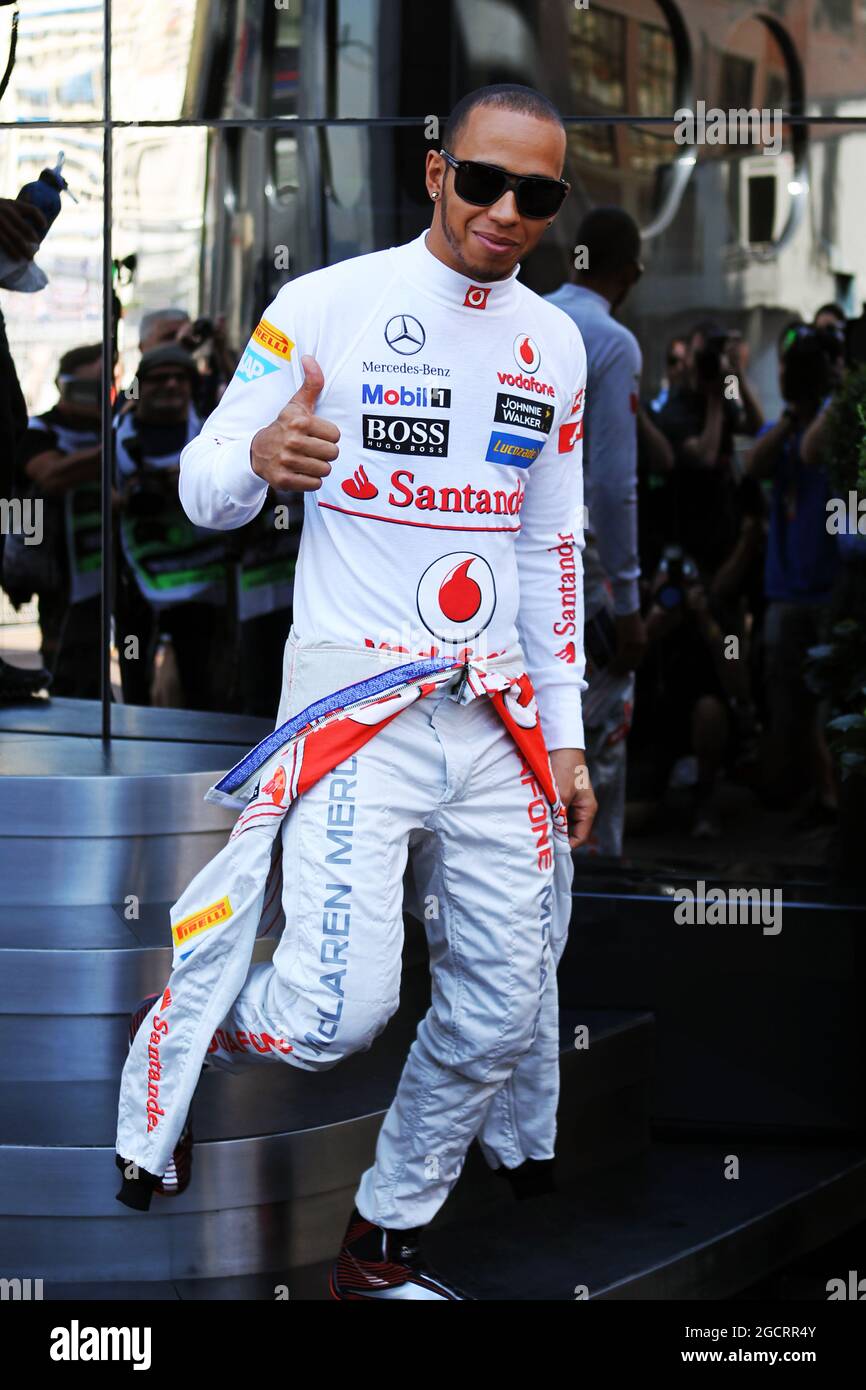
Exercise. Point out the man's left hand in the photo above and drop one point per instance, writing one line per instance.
(575, 789)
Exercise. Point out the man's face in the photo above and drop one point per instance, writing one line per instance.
(164, 395)
(486, 243)
(83, 401)
(676, 363)
(829, 320)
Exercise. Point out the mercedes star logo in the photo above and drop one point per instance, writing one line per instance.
(404, 334)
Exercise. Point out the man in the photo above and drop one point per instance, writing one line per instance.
(614, 629)
(801, 570)
(173, 574)
(675, 370)
(21, 228)
(60, 458)
(429, 406)
(700, 418)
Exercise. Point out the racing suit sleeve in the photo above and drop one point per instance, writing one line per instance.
(613, 442)
(549, 553)
(218, 487)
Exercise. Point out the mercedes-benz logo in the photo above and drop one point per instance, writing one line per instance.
(404, 334)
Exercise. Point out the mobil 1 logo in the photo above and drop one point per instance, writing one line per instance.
(520, 410)
(405, 434)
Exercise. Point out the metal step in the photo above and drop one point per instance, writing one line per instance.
(256, 1202)
(662, 1226)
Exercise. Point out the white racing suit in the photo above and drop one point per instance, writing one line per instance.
(449, 528)
(453, 758)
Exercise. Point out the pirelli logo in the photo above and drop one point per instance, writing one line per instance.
(200, 922)
(267, 336)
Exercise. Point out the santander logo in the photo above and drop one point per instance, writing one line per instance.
(359, 486)
(276, 787)
(526, 353)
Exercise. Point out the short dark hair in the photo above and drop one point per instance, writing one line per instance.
(835, 309)
(508, 96)
(611, 237)
(79, 357)
(707, 328)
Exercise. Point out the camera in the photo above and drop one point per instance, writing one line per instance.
(199, 333)
(677, 571)
(811, 360)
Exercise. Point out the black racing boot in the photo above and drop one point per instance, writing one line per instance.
(375, 1262)
(531, 1178)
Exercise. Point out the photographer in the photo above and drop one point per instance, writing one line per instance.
(205, 341)
(801, 562)
(172, 574)
(60, 465)
(688, 689)
(700, 418)
(21, 227)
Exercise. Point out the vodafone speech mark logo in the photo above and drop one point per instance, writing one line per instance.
(526, 353)
(456, 596)
(476, 298)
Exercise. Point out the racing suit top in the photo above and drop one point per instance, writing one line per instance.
(451, 523)
(613, 374)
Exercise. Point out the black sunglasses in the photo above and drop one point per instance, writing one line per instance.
(484, 184)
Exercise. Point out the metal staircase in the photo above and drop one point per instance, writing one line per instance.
(93, 848)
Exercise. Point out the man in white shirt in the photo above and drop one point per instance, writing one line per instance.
(429, 406)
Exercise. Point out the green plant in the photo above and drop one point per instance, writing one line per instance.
(836, 670)
(846, 434)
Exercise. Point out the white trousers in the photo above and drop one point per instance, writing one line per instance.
(445, 781)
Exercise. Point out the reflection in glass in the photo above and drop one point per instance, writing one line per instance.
(151, 43)
(58, 61)
(52, 307)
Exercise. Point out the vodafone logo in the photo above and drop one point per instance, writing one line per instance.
(476, 298)
(526, 353)
(456, 596)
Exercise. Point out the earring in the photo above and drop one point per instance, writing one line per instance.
(434, 195)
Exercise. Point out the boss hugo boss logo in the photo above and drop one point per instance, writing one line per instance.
(405, 334)
(518, 410)
(437, 397)
(405, 434)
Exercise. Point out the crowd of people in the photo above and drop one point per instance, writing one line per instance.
(709, 570)
(199, 617)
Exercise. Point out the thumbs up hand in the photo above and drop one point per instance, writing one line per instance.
(295, 452)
